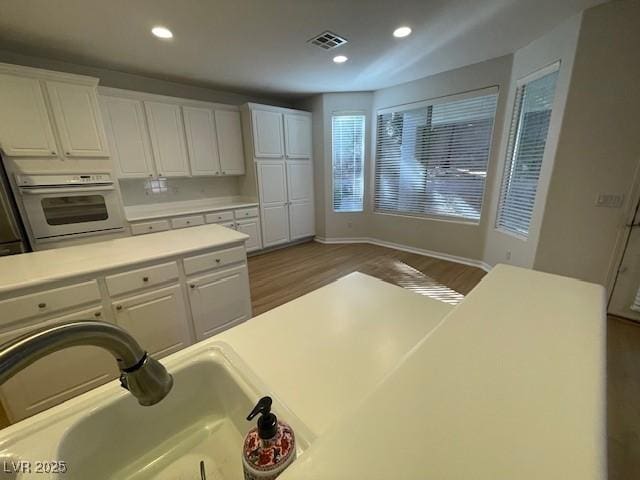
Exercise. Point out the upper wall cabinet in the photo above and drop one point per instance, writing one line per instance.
(128, 136)
(229, 131)
(77, 116)
(267, 134)
(297, 135)
(25, 129)
(167, 139)
(199, 125)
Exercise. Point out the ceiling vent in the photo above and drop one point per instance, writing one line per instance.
(328, 40)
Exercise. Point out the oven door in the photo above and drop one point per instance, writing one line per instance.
(63, 211)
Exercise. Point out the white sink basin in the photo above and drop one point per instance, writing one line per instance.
(202, 419)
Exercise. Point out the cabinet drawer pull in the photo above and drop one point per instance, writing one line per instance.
(119, 307)
(192, 285)
(150, 227)
(42, 305)
(217, 260)
(145, 279)
(97, 314)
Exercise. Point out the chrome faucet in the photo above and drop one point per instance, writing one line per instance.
(142, 375)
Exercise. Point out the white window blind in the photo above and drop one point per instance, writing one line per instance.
(525, 152)
(347, 132)
(431, 159)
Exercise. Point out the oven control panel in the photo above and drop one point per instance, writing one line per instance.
(62, 180)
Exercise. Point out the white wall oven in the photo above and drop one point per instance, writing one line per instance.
(58, 207)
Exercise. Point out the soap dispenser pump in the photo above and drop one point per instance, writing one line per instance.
(270, 447)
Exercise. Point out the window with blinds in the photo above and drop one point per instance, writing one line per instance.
(525, 151)
(347, 133)
(431, 158)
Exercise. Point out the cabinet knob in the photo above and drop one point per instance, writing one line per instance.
(150, 227)
(192, 285)
(224, 173)
(188, 222)
(53, 152)
(119, 307)
(217, 260)
(145, 279)
(42, 305)
(97, 314)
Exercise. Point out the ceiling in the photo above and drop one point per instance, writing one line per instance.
(261, 45)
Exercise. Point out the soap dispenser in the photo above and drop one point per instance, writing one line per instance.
(270, 447)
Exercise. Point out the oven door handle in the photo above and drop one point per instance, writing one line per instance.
(43, 191)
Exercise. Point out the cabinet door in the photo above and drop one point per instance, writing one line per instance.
(157, 320)
(267, 134)
(219, 301)
(302, 220)
(60, 375)
(128, 136)
(299, 181)
(25, 128)
(77, 115)
(275, 225)
(297, 135)
(167, 139)
(229, 131)
(251, 228)
(272, 188)
(200, 128)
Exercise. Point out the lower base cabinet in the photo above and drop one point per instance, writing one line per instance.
(58, 376)
(218, 300)
(251, 228)
(158, 320)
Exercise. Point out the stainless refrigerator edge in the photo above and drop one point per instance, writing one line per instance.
(13, 238)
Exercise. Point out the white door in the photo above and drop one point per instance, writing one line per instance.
(77, 115)
(167, 139)
(128, 137)
(157, 320)
(25, 128)
(272, 187)
(219, 301)
(267, 134)
(60, 375)
(229, 129)
(301, 204)
(297, 135)
(200, 128)
(252, 228)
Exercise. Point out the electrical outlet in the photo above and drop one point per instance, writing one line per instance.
(610, 200)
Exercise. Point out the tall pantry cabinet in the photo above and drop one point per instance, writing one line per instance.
(279, 145)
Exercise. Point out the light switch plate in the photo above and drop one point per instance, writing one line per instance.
(610, 200)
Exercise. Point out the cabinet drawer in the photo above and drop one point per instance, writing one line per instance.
(190, 221)
(149, 227)
(208, 261)
(217, 217)
(48, 301)
(246, 213)
(141, 278)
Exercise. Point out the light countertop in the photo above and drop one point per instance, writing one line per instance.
(510, 384)
(31, 269)
(135, 213)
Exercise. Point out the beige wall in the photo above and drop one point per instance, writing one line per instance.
(599, 147)
(557, 45)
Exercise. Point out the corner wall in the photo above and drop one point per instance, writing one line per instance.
(598, 150)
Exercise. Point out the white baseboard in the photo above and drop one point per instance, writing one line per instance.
(406, 248)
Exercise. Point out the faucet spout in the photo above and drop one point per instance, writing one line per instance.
(142, 375)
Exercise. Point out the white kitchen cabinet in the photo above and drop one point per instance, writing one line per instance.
(200, 129)
(250, 227)
(229, 132)
(267, 134)
(60, 375)
(272, 187)
(300, 195)
(167, 139)
(157, 320)
(78, 120)
(217, 300)
(301, 220)
(128, 137)
(25, 127)
(297, 135)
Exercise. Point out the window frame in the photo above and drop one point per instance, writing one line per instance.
(508, 159)
(484, 91)
(350, 113)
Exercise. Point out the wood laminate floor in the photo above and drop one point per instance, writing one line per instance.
(282, 275)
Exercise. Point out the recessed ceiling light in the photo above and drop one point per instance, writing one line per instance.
(402, 32)
(162, 32)
(340, 59)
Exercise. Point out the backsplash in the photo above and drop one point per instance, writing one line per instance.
(134, 191)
